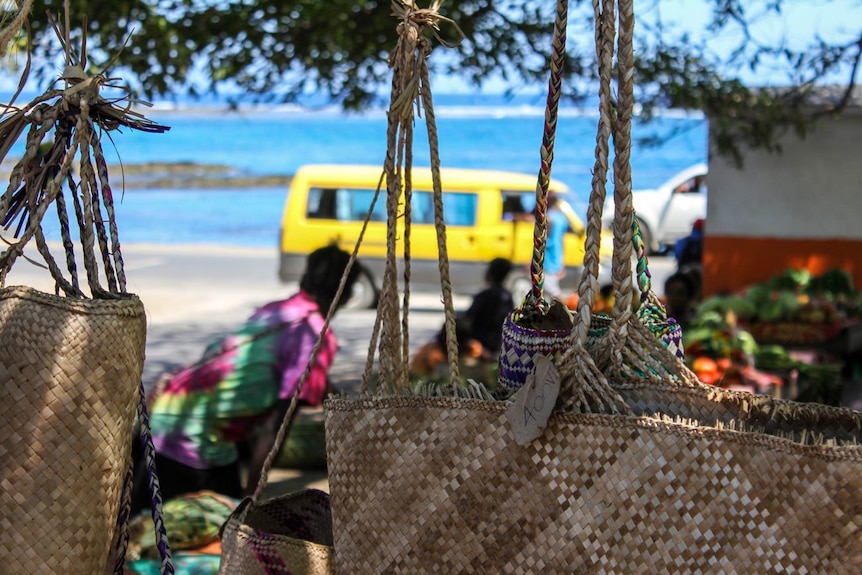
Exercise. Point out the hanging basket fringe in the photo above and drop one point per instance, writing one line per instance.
(64, 125)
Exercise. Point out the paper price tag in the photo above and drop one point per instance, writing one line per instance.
(529, 412)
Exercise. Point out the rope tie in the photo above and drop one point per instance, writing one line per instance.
(411, 93)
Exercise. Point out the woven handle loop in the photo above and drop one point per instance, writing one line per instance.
(625, 332)
(410, 82)
(614, 121)
(589, 286)
(535, 298)
(621, 264)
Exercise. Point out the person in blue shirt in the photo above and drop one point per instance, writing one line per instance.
(688, 251)
(555, 268)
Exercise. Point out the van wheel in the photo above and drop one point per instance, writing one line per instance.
(365, 293)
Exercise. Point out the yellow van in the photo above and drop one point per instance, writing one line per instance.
(488, 214)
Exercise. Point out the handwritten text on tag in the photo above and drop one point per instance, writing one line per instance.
(529, 412)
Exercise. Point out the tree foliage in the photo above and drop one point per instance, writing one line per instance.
(276, 50)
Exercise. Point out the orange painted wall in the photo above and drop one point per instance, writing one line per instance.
(731, 263)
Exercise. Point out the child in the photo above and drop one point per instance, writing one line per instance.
(679, 298)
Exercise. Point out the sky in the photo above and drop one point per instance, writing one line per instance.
(799, 23)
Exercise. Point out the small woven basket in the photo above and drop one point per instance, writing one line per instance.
(521, 345)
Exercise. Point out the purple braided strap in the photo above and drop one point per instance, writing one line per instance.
(164, 546)
(123, 522)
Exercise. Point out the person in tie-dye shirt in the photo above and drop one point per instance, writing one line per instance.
(241, 388)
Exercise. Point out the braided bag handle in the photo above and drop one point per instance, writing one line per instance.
(628, 341)
(584, 387)
(410, 79)
(538, 326)
(620, 346)
(535, 298)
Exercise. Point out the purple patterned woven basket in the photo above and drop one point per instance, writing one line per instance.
(522, 344)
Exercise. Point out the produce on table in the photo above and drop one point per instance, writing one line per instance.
(734, 338)
(721, 353)
(816, 382)
(794, 307)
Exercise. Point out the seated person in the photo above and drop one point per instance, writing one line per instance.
(605, 300)
(485, 317)
(241, 388)
(680, 298)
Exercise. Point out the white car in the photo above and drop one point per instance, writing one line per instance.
(668, 212)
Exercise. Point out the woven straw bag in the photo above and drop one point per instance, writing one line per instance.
(285, 535)
(639, 467)
(70, 364)
(70, 376)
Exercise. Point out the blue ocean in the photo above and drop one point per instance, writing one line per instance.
(489, 132)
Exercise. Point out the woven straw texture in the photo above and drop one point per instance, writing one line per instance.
(290, 535)
(70, 371)
(437, 485)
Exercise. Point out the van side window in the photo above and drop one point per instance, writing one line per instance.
(321, 204)
(515, 206)
(458, 209)
(344, 204)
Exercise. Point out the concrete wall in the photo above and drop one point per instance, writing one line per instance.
(812, 190)
(800, 208)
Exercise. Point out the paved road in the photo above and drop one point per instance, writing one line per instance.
(177, 341)
(193, 295)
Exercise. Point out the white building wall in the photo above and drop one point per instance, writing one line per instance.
(813, 189)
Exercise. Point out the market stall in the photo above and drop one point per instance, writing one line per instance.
(796, 336)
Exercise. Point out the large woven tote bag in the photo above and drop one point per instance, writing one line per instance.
(70, 362)
(432, 479)
(639, 468)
